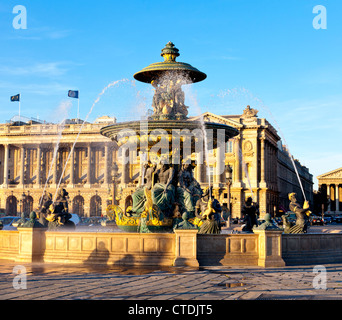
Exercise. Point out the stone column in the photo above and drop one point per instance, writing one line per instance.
(125, 166)
(6, 165)
(329, 195)
(337, 198)
(262, 164)
(237, 180)
(106, 170)
(72, 166)
(22, 165)
(39, 162)
(89, 180)
(54, 181)
(220, 161)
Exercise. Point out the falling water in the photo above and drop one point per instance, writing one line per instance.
(284, 140)
(206, 151)
(143, 159)
(112, 84)
(194, 102)
(62, 109)
(247, 94)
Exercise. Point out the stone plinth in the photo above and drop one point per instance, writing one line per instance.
(269, 248)
(186, 248)
(227, 249)
(31, 245)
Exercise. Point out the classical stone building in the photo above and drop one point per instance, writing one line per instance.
(261, 165)
(330, 185)
(28, 166)
(288, 180)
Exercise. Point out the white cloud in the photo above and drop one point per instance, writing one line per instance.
(49, 69)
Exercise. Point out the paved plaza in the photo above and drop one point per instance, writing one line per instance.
(47, 281)
(65, 282)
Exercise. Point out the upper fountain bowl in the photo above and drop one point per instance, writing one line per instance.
(158, 70)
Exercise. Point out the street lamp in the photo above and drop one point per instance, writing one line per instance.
(115, 170)
(22, 203)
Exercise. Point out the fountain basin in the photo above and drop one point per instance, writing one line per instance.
(138, 131)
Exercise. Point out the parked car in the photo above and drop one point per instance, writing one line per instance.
(75, 219)
(90, 221)
(317, 220)
(8, 221)
(19, 222)
(273, 221)
(337, 219)
(279, 221)
(105, 222)
(291, 217)
(327, 219)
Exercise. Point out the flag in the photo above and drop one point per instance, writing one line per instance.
(15, 98)
(73, 94)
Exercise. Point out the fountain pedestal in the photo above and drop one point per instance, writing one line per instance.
(186, 248)
(31, 245)
(269, 248)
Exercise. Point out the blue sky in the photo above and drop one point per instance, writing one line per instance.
(258, 52)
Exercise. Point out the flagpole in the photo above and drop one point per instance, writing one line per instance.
(78, 108)
(19, 108)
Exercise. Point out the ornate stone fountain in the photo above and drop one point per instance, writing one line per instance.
(170, 190)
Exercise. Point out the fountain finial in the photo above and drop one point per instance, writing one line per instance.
(170, 52)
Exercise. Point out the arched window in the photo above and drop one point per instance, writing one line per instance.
(95, 206)
(78, 206)
(11, 206)
(28, 205)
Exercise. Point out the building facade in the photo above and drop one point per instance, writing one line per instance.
(330, 185)
(37, 158)
(262, 167)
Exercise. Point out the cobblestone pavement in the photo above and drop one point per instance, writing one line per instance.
(65, 282)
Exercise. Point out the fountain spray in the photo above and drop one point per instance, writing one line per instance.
(288, 150)
(63, 109)
(205, 134)
(112, 84)
(243, 91)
